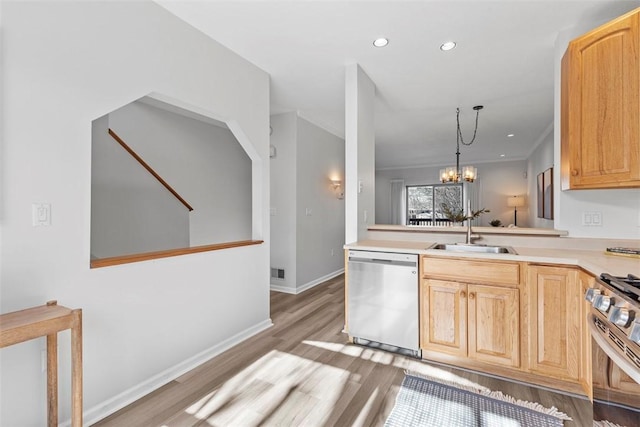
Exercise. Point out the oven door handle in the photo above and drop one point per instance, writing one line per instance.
(628, 367)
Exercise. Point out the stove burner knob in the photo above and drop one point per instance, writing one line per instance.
(591, 294)
(634, 334)
(602, 303)
(619, 316)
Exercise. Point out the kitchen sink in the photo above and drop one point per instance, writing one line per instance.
(463, 247)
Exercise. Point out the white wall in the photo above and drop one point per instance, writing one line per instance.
(204, 163)
(320, 235)
(283, 199)
(496, 181)
(308, 220)
(620, 208)
(131, 212)
(383, 194)
(66, 64)
(539, 161)
(360, 94)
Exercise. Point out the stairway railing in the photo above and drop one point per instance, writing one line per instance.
(149, 169)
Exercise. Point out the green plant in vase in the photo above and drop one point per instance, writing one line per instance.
(457, 214)
(495, 223)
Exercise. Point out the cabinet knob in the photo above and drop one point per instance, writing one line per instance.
(574, 172)
(472, 295)
(463, 294)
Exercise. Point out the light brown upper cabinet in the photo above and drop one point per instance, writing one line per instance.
(600, 107)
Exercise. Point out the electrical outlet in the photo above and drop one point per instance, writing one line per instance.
(333, 253)
(308, 211)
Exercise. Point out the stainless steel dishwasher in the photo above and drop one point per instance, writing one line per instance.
(382, 299)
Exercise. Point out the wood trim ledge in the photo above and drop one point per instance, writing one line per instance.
(146, 256)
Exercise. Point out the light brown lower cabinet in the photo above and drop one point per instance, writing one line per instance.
(480, 322)
(518, 320)
(554, 310)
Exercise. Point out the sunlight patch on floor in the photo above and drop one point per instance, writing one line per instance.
(352, 350)
(278, 389)
(399, 361)
(491, 419)
(364, 412)
(460, 413)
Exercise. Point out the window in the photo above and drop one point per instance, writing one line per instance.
(424, 203)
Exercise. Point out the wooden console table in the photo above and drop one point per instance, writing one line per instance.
(48, 320)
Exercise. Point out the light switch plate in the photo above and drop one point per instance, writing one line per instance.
(41, 214)
(592, 219)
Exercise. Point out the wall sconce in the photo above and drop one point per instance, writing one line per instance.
(336, 184)
(515, 202)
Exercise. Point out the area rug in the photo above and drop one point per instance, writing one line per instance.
(424, 401)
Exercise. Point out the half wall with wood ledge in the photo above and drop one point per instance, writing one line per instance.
(167, 181)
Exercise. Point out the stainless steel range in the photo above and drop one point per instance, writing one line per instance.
(614, 323)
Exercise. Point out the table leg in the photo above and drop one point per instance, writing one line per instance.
(52, 379)
(76, 369)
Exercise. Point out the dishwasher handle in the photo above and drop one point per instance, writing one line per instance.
(383, 262)
(383, 258)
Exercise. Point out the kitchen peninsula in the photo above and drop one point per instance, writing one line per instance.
(517, 315)
(531, 245)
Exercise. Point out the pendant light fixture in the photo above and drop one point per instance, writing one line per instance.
(468, 173)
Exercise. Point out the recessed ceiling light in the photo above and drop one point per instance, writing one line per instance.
(381, 42)
(447, 46)
(502, 155)
(510, 135)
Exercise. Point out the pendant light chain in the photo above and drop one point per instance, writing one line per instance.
(477, 108)
(469, 173)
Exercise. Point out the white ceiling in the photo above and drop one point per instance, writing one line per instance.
(504, 61)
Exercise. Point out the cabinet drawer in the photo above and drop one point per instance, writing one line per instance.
(472, 271)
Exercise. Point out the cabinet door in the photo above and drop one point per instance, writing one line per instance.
(493, 324)
(600, 108)
(444, 317)
(554, 306)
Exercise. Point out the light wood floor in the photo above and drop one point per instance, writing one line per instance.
(303, 372)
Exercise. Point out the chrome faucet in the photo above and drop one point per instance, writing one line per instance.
(469, 217)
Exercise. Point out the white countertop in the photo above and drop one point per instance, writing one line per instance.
(595, 262)
(510, 231)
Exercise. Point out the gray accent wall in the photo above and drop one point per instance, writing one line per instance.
(307, 218)
(131, 212)
(203, 162)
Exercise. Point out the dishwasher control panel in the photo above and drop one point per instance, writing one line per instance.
(371, 256)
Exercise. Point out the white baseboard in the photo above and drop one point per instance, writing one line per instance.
(129, 396)
(317, 281)
(306, 286)
(280, 288)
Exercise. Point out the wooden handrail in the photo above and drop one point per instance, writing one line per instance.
(146, 256)
(149, 169)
